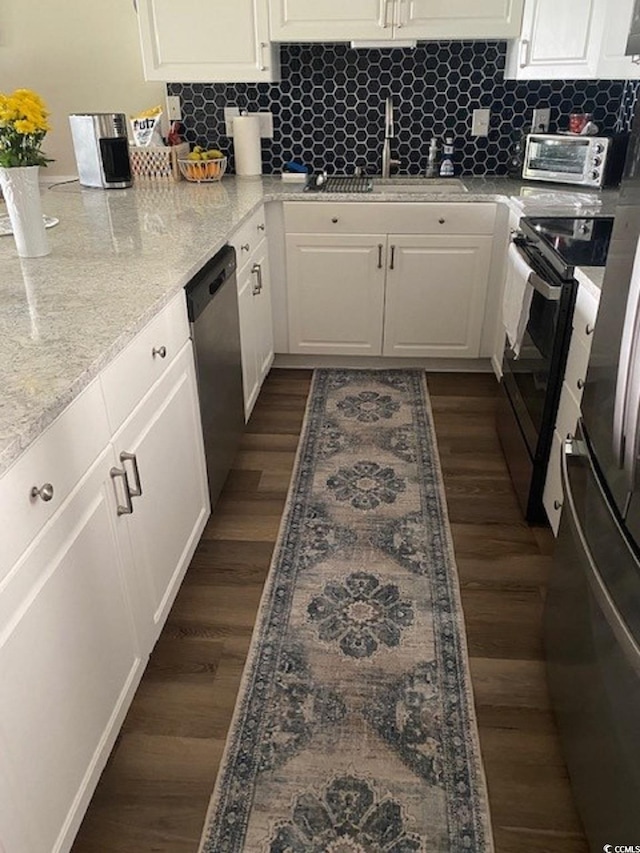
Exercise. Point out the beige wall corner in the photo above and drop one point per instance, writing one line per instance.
(80, 56)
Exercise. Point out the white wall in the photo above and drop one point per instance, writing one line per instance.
(80, 56)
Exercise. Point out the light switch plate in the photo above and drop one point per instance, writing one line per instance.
(174, 110)
(266, 122)
(480, 123)
(229, 113)
(541, 120)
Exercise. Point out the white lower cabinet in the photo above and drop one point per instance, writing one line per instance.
(254, 306)
(83, 603)
(417, 292)
(160, 447)
(336, 293)
(70, 661)
(584, 320)
(435, 295)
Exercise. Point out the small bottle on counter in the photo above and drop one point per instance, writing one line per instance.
(432, 159)
(446, 165)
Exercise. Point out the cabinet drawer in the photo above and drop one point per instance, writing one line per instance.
(249, 236)
(577, 362)
(127, 379)
(385, 217)
(584, 317)
(553, 497)
(59, 457)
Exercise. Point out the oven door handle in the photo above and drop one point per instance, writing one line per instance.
(548, 291)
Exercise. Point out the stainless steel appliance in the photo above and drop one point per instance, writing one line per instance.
(532, 379)
(592, 613)
(633, 41)
(212, 303)
(101, 147)
(589, 161)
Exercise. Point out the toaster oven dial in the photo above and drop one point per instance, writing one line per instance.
(595, 175)
(598, 148)
(597, 161)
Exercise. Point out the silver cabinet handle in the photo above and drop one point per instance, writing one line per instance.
(114, 473)
(131, 457)
(524, 53)
(380, 248)
(161, 351)
(45, 492)
(256, 270)
(580, 383)
(245, 247)
(260, 63)
(557, 505)
(261, 227)
(393, 258)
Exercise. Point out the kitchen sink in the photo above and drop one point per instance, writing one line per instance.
(418, 185)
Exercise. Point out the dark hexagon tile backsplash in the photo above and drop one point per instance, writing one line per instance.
(328, 109)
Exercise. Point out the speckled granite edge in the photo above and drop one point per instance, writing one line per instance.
(263, 192)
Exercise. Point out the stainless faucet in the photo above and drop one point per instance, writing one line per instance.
(389, 134)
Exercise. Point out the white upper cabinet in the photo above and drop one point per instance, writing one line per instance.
(331, 20)
(389, 20)
(201, 42)
(458, 19)
(572, 39)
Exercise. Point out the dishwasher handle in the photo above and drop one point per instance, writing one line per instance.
(202, 288)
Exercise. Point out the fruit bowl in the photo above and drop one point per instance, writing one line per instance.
(203, 171)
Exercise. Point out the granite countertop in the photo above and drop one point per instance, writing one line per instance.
(117, 257)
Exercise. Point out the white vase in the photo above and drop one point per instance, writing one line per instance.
(21, 192)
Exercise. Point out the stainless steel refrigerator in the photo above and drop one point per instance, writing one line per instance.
(592, 613)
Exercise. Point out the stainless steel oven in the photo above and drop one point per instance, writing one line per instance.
(533, 372)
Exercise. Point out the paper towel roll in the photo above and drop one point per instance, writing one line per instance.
(246, 145)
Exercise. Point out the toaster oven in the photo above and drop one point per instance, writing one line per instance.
(588, 161)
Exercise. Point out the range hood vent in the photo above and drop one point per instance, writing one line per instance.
(383, 45)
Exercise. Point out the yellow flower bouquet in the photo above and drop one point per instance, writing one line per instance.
(23, 126)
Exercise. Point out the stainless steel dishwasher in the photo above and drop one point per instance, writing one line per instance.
(212, 304)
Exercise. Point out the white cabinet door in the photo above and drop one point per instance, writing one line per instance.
(579, 39)
(201, 41)
(247, 294)
(165, 436)
(436, 289)
(262, 308)
(336, 293)
(69, 662)
(458, 19)
(331, 20)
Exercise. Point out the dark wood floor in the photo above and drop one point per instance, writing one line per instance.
(154, 793)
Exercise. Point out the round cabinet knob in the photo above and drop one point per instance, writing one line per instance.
(580, 383)
(261, 227)
(589, 329)
(442, 220)
(245, 247)
(335, 220)
(557, 505)
(45, 492)
(161, 351)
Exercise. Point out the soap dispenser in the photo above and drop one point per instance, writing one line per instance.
(446, 166)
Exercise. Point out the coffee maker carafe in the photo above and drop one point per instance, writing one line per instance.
(102, 149)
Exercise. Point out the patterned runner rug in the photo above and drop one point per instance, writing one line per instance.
(354, 730)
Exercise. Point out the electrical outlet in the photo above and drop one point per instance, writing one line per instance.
(480, 123)
(174, 110)
(541, 120)
(229, 114)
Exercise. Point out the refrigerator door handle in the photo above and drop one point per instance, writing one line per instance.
(626, 413)
(625, 638)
